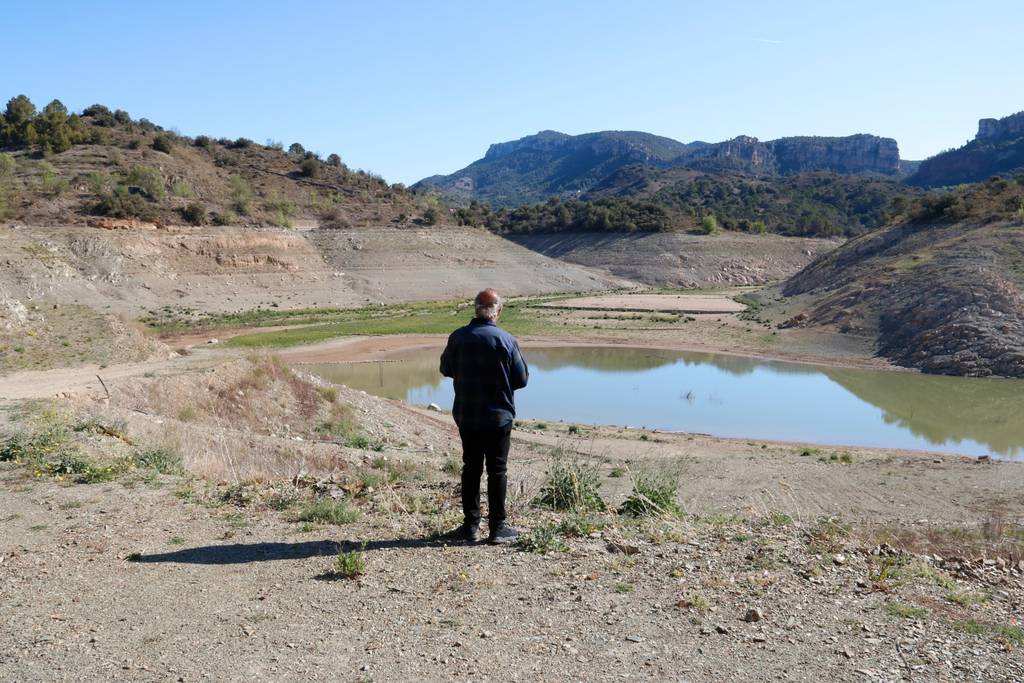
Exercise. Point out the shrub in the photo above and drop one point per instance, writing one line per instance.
(543, 539)
(296, 149)
(242, 143)
(203, 141)
(7, 165)
(310, 167)
(349, 564)
(652, 494)
(328, 512)
(122, 203)
(571, 485)
(709, 224)
(333, 160)
(431, 216)
(182, 189)
(148, 180)
(50, 183)
(224, 218)
(241, 194)
(163, 143)
(163, 460)
(194, 213)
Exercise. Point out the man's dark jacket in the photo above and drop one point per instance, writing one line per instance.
(487, 366)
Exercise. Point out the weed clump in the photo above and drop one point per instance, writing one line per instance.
(163, 460)
(543, 540)
(349, 564)
(571, 485)
(653, 494)
(328, 512)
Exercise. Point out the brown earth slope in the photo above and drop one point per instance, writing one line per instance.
(228, 268)
(665, 259)
(942, 291)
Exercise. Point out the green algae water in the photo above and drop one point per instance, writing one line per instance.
(732, 396)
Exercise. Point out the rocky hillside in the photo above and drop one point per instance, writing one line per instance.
(673, 259)
(551, 164)
(555, 164)
(997, 148)
(942, 290)
(61, 168)
(817, 203)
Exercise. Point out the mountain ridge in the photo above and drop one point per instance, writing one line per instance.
(549, 163)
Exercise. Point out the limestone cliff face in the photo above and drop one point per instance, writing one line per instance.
(994, 129)
(997, 148)
(851, 154)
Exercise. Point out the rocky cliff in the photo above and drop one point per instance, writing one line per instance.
(549, 163)
(998, 148)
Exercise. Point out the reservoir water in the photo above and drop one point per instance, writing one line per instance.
(732, 396)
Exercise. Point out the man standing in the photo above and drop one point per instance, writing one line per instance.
(487, 367)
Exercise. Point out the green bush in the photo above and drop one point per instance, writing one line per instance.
(182, 189)
(328, 512)
(163, 143)
(431, 216)
(148, 180)
(709, 224)
(571, 485)
(50, 182)
(194, 213)
(122, 203)
(225, 218)
(349, 564)
(543, 539)
(310, 167)
(241, 194)
(163, 460)
(7, 165)
(653, 494)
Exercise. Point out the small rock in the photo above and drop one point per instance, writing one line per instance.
(722, 629)
(433, 406)
(753, 614)
(839, 559)
(486, 634)
(634, 639)
(848, 653)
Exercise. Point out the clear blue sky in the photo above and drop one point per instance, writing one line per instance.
(409, 89)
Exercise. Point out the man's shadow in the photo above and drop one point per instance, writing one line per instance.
(244, 553)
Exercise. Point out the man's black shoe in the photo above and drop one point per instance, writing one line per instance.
(468, 533)
(503, 534)
(471, 533)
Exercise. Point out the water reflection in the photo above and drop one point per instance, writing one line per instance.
(733, 396)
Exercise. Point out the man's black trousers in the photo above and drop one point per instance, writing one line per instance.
(480, 446)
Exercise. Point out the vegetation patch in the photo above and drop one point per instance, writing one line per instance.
(543, 539)
(654, 493)
(571, 485)
(327, 511)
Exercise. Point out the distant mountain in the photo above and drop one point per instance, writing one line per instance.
(549, 163)
(997, 148)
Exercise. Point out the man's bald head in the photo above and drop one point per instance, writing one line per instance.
(487, 304)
